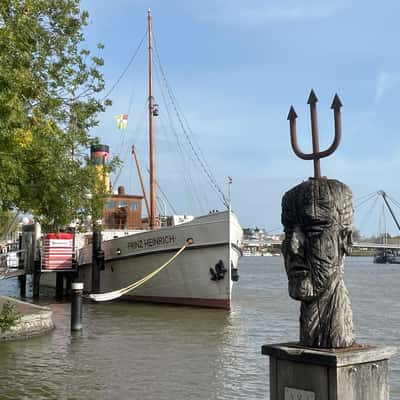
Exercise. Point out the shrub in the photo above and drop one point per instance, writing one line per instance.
(8, 316)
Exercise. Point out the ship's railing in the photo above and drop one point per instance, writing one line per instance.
(121, 227)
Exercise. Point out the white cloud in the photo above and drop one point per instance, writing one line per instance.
(385, 83)
(255, 12)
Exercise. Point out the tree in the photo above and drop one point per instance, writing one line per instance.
(49, 88)
(8, 223)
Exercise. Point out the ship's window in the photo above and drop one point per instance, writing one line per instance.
(110, 205)
(134, 206)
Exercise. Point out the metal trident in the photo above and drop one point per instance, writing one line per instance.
(316, 155)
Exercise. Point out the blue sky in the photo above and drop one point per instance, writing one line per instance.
(235, 68)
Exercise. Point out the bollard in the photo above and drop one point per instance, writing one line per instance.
(76, 306)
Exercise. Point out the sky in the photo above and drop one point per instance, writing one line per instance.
(235, 68)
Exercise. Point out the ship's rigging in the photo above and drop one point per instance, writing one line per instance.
(184, 138)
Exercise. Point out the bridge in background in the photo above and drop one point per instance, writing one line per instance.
(368, 245)
(360, 245)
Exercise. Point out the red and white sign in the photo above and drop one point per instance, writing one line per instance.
(57, 251)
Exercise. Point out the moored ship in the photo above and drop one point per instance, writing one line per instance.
(201, 275)
(174, 259)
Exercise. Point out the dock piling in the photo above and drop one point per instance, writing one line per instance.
(96, 259)
(36, 280)
(22, 286)
(59, 285)
(21, 266)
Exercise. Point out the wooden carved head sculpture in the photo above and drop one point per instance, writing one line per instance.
(317, 216)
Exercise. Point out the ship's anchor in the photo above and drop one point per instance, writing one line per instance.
(219, 272)
(316, 154)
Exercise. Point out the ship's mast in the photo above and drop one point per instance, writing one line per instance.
(151, 131)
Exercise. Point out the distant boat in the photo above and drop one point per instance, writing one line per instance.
(248, 253)
(386, 256)
(382, 256)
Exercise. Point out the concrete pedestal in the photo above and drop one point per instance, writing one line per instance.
(303, 373)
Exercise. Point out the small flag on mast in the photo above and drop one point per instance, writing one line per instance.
(122, 121)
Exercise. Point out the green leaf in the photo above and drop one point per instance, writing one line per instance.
(48, 103)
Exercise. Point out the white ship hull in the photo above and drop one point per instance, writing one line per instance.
(187, 280)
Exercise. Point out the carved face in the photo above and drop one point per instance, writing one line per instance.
(313, 255)
(317, 216)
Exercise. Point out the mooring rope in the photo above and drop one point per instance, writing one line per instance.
(120, 292)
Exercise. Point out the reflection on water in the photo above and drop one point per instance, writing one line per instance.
(136, 351)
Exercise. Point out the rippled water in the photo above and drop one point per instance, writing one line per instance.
(136, 351)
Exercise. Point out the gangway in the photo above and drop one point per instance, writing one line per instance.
(10, 265)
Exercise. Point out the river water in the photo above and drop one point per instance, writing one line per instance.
(137, 351)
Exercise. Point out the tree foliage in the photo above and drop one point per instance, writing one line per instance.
(8, 223)
(49, 100)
